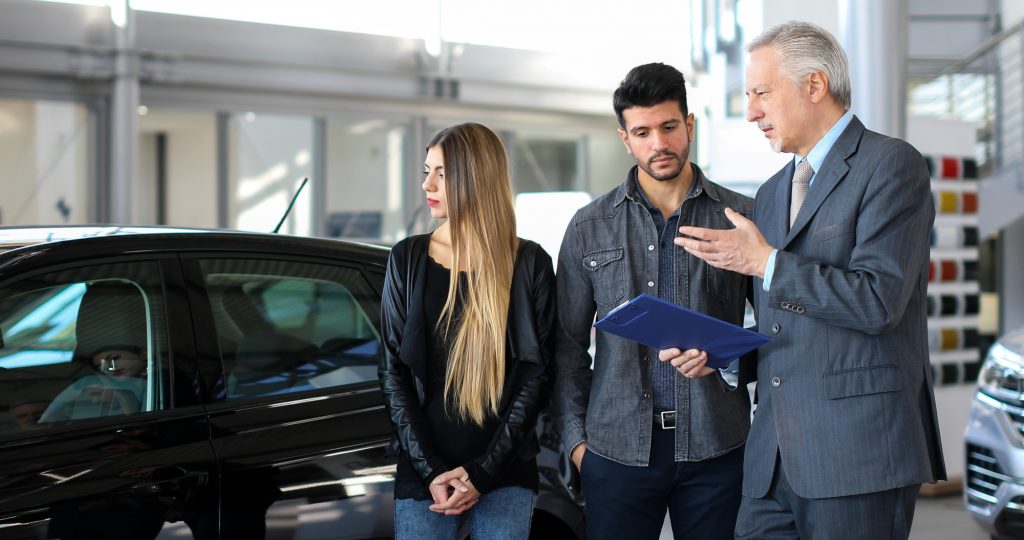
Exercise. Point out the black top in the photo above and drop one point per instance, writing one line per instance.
(457, 442)
(408, 331)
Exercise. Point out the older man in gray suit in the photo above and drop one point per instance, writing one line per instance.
(845, 430)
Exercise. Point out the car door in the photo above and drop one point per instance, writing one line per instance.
(102, 434)
(288, 347)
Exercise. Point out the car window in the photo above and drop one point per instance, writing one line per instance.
(290, 327)
(81, 344)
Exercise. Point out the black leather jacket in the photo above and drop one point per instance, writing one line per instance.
(530, 346)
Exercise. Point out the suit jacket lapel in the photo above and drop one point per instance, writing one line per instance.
(833, 170)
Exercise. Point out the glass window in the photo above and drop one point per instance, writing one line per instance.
(366, 178)
(287, 327)
(269, 154)
(176, 183)
(544, 164)
(81, 344)
(44, 163)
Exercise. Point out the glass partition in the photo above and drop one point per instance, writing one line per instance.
(44, 163)
(268, 155)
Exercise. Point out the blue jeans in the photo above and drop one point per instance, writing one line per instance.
(503, 514)
(702, 497)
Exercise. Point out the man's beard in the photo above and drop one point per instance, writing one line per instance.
(668, 175)
(776, 145)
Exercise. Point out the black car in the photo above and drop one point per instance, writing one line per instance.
(161, 383)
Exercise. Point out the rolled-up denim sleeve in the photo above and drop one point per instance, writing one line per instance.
(572, 361)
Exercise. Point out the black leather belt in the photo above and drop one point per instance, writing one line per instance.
(665, 419)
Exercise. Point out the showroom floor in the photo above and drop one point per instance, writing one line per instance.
(944, 518)
(941, 518)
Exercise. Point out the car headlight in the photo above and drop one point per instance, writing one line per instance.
(1002, 374)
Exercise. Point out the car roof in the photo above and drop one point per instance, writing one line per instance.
(21, 243)
(15, 237)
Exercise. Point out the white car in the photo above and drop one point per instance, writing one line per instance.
(994, 483)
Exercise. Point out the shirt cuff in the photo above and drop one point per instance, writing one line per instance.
(728, 375)
(769, 270)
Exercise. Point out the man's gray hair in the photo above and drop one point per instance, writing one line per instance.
(805, 48)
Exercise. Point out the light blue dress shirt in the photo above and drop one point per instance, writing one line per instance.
(816, 158)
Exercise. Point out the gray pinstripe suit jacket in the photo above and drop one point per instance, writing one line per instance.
(845, 387)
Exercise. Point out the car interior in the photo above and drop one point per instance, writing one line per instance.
(112, 325)
(54, 334)
(271, 344)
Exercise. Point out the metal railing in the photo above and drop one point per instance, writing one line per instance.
(984, 88)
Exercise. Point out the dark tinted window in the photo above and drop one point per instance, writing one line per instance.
(287, 327)
(82, 344)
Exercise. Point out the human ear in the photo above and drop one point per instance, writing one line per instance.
(625, 140)
(818, 86)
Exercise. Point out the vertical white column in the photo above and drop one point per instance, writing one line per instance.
(124, 129)
(1010, 286)
(874, 34)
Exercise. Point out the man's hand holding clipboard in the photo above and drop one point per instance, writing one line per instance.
(661, 324)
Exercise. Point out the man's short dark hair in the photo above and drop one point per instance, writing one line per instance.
(647, 86)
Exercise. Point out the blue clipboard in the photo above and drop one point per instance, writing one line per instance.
(661, 324)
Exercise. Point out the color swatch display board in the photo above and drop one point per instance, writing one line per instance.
(953, 290)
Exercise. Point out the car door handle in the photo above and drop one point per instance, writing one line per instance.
(167, 480)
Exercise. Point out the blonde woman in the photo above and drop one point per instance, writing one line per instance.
(467, 316)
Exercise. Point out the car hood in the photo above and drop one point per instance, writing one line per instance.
(1014, 341)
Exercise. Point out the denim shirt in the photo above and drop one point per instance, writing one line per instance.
(663, 375)
(609, 255)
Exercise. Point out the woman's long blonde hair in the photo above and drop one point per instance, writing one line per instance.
(482, 223)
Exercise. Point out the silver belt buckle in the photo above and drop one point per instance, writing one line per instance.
(668, 419)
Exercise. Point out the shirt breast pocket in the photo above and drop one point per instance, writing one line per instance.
(608, 274)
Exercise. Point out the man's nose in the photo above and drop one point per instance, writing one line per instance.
(754, 112)
(658, 141)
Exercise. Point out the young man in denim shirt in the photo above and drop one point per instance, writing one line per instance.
(649, 435)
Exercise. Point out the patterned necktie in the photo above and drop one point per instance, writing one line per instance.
(800, 177)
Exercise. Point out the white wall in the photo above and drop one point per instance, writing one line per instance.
(823, 13)
(608, 160)
(43, 160)
(1012, 285)
(740, 153)
(17, 174)
(191, 165)
(60, 134)
(364, 171)
(144, 187)
(1012, 12)
(953, 404)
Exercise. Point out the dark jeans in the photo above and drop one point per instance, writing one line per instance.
(702, 498)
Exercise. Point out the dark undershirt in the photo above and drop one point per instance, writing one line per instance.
(455, 441)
